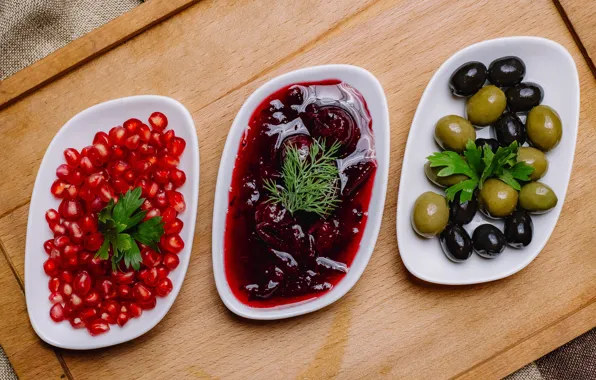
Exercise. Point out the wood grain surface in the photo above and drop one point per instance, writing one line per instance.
(581, 15)
(90, 46)
(211, 57)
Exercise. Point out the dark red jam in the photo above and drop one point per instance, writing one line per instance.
(273, 257)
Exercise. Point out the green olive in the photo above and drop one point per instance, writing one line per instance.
(452, 132)
(497, 199)
(536, 159)
(544, 128)
(537, 198)
(430, 214)
(450, 180)
(486, 106)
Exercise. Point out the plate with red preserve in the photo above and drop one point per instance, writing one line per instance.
(111, 222)
(300, 192)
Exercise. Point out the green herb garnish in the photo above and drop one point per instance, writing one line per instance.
(122, 227)
(309, 180)
(479, 165)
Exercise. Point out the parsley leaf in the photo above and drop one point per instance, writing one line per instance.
(126, 212)
(474, 156)
(452, 162)
(466, 187)
(149, 232)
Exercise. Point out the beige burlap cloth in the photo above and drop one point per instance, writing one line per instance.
(32, 29)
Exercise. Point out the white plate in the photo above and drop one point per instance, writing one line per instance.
(78, 132)
(548, 64)
(371, 90)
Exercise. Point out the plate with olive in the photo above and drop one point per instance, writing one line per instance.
(488, 161)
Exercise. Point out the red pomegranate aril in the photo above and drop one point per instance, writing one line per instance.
(122, 319)
(101, 138)
(135, 310)
(54, 284)
(58, 188)
(150, 258)
(75, 232)
(151, 277)
(86, 166)
(63, 172)
(93, 242)
(144, 132)
(55, 298)
(161, 176)
(164, 287)
(66, 223)
(68, 310)
(71, 250)
(75, 302)
(111, 307)
(96, 204)
(98, 327)
(168, 161)
(129, 177)
(66, 289)
(117, 135)
(149, 304)
(176, 200)
(152, 213)
(86, 193)
(105, 192)
(123, 291)
(76, 178)
(77, 323)
(162, 272)
(57, 313)
(176, 146)
(48, 246)
(72, 191)
(172, 243)
(89, 223)
(171, 261)
(102, 151)
(146, 150)
(152, 190)
(158, 121)
(161, 200)
(71, 263)
(177, 177)
(131, 125)
(127, 277)
(132, 142)
(72, 157)
(119, 167)
(61, 241)
(141, 293)
(50, 266)
(58, 229)
(95, 180)
(147, 205)
(106, 288)
(92, 298)
(82, 283)
(85, 257)
(71, 209)
(174, 227)
(117, 152)
(169, 215)
(167, 136)
(66, 276)
(52, 216)
(88, 314)
(168, 186)
(93, 155)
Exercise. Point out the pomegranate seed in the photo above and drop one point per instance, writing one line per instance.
(102, 151)
(92, 298)
(117, 152)
(55, 298)
(48, 246)
(161, 176)
(76, 178)
(50, 266)
(129, 177)
(150, 258)
(71, 250)
(147, 205)
(141, 293)
(71, 209)
(82, 283)
(77, 323)
(54, 284)
(61, 242)
(158, 121)
(58, 229)
(105, 192)
(168, 215)
(63, 172)
(93, 155)
(117, 135)
(162, 272)
(95, 180)
(168, 186)
(106, 288)
(144, 132)
(151, 277)
(131, 125)
(75, 302)
(132, 142)
(171, 261)
(66, 223)
(85, 257)
(96, 204)
(101, 138)
(146, 150)
(75, 232)
(52, 216)
(152, 190)
(164, 287)
(148, 305)
(68, 310)
(172, 243)
(155, 139)
(174, 227)
(119, 167)
(57, 313)
(66, 276)
(152, 213)
(127, 277)
(176, 146)
(98, 327)
(89, 223)
(86, 166)
(111, 307)
(167, 136)
(71, 263)
(88, 314)
(123, 291)
(71, 192)
(142, 274)
(168, 161)
(177, 177)
(122, 319)
(58, 188)
(135, 310)
(121, 186)
(66, 290)
(93, 242)
(176, 200)
(85, 193)
(72, 157)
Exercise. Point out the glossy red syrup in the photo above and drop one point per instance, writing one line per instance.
(274, 258)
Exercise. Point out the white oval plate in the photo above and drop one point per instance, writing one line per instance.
(548, 64)
(373, 93)
(78, 132)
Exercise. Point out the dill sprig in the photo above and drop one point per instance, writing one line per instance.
(310, 182)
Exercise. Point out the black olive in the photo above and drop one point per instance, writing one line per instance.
(488, 241)
(462, 213)
(506, 71)
(509, 128)
(468, 79)
(492, 143)
(456, 243)
(524, 96)
(519, 229)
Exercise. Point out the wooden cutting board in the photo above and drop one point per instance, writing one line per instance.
(211, 57)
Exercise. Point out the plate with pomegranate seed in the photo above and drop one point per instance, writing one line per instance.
(111, 222)
(300, 192)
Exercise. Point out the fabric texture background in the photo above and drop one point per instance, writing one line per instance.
(32, 29)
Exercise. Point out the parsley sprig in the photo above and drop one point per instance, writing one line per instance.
(310, 181)
(122, 227)
(480, 164)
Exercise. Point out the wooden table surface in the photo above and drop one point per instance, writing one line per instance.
(210, 57)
